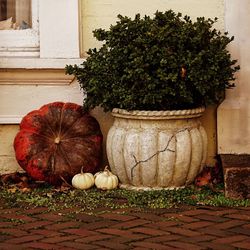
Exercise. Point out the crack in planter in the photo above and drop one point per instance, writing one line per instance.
(152, 156)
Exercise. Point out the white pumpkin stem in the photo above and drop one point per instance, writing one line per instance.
(82, 172)
(106, 169)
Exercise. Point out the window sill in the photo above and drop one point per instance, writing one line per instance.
(37, 63)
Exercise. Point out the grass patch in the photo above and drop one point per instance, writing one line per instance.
(93, 198)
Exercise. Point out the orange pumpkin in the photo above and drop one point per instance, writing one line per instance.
(55, 141)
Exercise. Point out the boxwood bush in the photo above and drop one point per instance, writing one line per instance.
(163, 62)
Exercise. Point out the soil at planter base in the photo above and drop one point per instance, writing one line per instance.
(157, 149)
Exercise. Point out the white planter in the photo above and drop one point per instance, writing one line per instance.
(156, 149)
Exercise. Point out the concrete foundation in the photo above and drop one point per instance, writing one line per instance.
(236, 175)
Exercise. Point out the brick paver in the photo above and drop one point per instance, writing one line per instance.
(179, 228)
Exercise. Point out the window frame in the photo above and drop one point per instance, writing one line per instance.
(24, 43)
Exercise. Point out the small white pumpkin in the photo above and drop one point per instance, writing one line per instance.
(106, 180)
(83, 180)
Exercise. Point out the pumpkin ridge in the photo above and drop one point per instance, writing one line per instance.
(60, 125)
(76, 137)
(62, 117)
(64, 156)
(38, 134)
(49, 126)
(69, 126)
(64, 134)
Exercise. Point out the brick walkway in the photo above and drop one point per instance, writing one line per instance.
(182, 228)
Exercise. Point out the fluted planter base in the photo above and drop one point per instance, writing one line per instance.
(156, 149)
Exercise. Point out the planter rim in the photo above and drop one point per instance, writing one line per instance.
(158, 115)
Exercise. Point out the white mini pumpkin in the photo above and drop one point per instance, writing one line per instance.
(83, 180)
(106, 180)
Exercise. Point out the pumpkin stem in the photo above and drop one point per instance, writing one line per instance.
(106, 169)
(82, 172)
(57, 140)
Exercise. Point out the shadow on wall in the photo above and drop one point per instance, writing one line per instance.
(105, 120)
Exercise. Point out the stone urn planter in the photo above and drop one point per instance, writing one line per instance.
(156, 149)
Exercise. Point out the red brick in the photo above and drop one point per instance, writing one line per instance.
(150, 216)
(5, 224)
(117, 217)
(81, 232)
(45, 232)
(39, 245)
(131, 224)
(75, 245)
(112, 245)
(94, 238)
(27, 238)
(164, 238)
(58, 239)
(164, 224)
(5, 237)
(133, 238)
(215, 246)
(21, 217)
(99, 224)
(114, 231)
(212, 218)
(229, 224)
(62, 225)
(200, 238)
(247, 226)
(9, 246)
(183, 231)
(33, 225)
(194, 212)
(139, 248)
(150, 245)
(242, 245)
(14, 232)
(199, 224)
(148, 231)
(222, 212)
(239, 216)
(216, 232)
(183, 245)
(240, 230)
(122, 235)
(231, 239)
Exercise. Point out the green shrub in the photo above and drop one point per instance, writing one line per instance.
(159, 63)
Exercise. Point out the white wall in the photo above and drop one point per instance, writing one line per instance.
(234, 112)
(102, 13)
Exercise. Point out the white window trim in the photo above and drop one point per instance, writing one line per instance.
(58, 44)
(24, 43)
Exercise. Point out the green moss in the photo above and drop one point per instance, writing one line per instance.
(119, 198)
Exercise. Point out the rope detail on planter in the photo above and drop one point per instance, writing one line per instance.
(140, 114)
